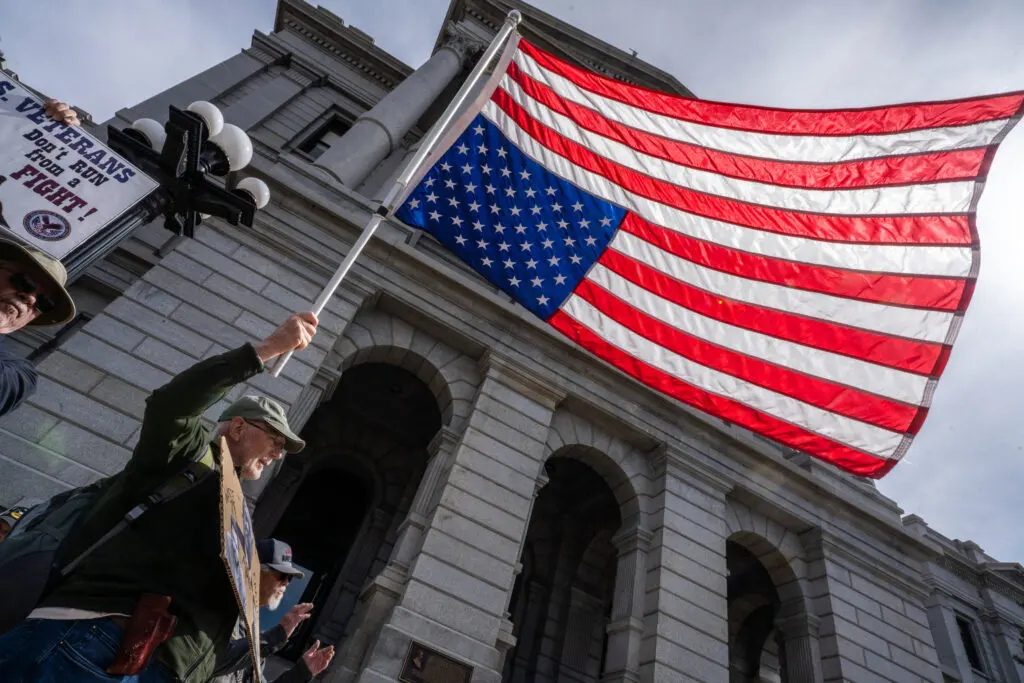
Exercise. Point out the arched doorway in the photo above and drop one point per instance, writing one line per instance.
(347, 495)
(561, 603)
(755, 652)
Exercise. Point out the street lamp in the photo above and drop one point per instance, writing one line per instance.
(180, 155)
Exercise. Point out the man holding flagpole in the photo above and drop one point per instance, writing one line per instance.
(142, 592)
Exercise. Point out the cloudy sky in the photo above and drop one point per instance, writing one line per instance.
(965, 473)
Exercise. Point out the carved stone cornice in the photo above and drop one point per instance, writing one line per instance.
(798, 626)
(567, 42)
(348, 44)
(542, 480)
(515, 376)
(443, 442)
(632, 539)
(981, 577)
(673, 460)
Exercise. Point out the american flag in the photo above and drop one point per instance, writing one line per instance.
(801, 274)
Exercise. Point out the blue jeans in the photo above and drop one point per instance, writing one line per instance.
(59, 651)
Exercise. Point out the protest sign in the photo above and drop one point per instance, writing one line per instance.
(238, 550)
(59, 186)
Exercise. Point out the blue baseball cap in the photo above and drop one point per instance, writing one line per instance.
(278, 556)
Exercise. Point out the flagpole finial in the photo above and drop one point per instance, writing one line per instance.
(514, 17)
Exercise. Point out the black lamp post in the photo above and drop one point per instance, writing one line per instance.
(180, 156)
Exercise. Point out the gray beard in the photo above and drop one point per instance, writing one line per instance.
(275, 602)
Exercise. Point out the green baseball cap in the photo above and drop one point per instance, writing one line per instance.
(50, 273)
(267, 411)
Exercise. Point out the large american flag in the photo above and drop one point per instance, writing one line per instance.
(802, 274)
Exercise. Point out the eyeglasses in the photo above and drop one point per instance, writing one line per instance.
(285, 578)
(279, 440)
(26, 285)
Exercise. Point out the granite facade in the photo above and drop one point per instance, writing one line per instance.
(698, 552)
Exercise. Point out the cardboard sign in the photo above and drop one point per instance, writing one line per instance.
(59, 186)
(238, 550)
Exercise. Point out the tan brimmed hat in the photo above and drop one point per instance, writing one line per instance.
(50, 272)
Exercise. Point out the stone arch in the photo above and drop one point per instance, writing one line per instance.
(626, 471)
(357, 428)
(775, 546)
(376, 336)
(772, 626)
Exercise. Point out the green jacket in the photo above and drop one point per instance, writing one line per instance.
(174, 548)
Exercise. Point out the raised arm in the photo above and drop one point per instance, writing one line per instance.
(172, 427)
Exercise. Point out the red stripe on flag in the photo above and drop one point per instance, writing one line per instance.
(824, 394)
(866, 121)
(894, 352)
(899, 290)
(961, 164)
(841, 455)
(914, 229)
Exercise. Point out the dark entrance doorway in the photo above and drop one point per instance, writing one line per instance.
(334, 494)
(755, 652)
(347, 495)
(561, 602)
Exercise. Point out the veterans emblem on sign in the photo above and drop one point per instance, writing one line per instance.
(46, 225)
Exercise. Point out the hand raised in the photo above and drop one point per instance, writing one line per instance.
(317, 659)
(294, 334)
(58, 111)
(295, 616)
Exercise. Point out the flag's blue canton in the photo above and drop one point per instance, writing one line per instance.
(526, 230)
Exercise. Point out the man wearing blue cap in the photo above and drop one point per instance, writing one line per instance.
(276, 572)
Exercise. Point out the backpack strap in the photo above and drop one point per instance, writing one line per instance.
(193, 473)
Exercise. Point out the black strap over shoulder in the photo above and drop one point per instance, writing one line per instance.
(188, 477)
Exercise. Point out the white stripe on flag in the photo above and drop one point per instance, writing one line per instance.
(814, 149)
(853, 372)
(860, 435)
(887, 258)
(946, 197)
(912, 323)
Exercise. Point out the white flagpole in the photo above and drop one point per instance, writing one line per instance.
(397, 193)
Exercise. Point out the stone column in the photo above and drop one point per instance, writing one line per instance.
(506, 639)
(626, 630)
(456, 596)
(581, 628)
(1004, 636)
(531, 630)
(410, 531)
(798, 635)
(687, 635)
(348, 589)
(378, 132)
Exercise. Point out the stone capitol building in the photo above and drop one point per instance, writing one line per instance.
(477, 493)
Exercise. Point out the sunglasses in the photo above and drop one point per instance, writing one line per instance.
(279, 440)
(26, 285)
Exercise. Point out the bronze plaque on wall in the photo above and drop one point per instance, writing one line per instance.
(424, 665)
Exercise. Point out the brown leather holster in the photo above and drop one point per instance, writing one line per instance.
(150, 625)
